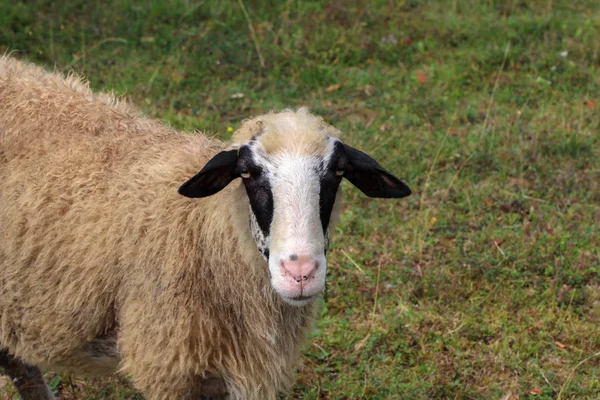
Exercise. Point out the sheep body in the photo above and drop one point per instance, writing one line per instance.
(104, 267)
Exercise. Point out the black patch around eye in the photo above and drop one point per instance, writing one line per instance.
(330, 183)
(259, 191)
(261, 200)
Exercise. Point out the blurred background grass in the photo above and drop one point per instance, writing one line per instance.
(484, 283)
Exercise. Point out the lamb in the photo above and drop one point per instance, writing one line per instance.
(187, 264)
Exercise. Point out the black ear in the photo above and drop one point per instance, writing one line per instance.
(215, 175)
(371, 178)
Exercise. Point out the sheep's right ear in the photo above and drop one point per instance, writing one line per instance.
(216, 174)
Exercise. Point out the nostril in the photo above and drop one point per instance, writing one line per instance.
(301, 270)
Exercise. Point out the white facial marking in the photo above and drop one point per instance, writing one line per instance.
(296, 245)
(297, 230)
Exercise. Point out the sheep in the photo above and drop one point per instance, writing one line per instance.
(187, 264)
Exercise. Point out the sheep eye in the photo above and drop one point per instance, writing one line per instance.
(245, 174)
(340, 171)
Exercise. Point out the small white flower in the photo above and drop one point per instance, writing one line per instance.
(564, 53)
(389, 39)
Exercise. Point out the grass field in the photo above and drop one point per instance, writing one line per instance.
(485, 284)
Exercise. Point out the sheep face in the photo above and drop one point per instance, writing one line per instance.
(292, 168)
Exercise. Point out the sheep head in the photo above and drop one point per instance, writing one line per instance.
(291, 164)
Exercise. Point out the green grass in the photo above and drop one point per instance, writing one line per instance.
(485, 284)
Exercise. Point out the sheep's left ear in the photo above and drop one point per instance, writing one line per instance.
(215, 176)
(371, 178)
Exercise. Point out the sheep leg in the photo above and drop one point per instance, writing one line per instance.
(209, 388)
(27, 379)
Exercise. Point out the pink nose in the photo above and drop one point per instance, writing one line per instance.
(301, 268)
